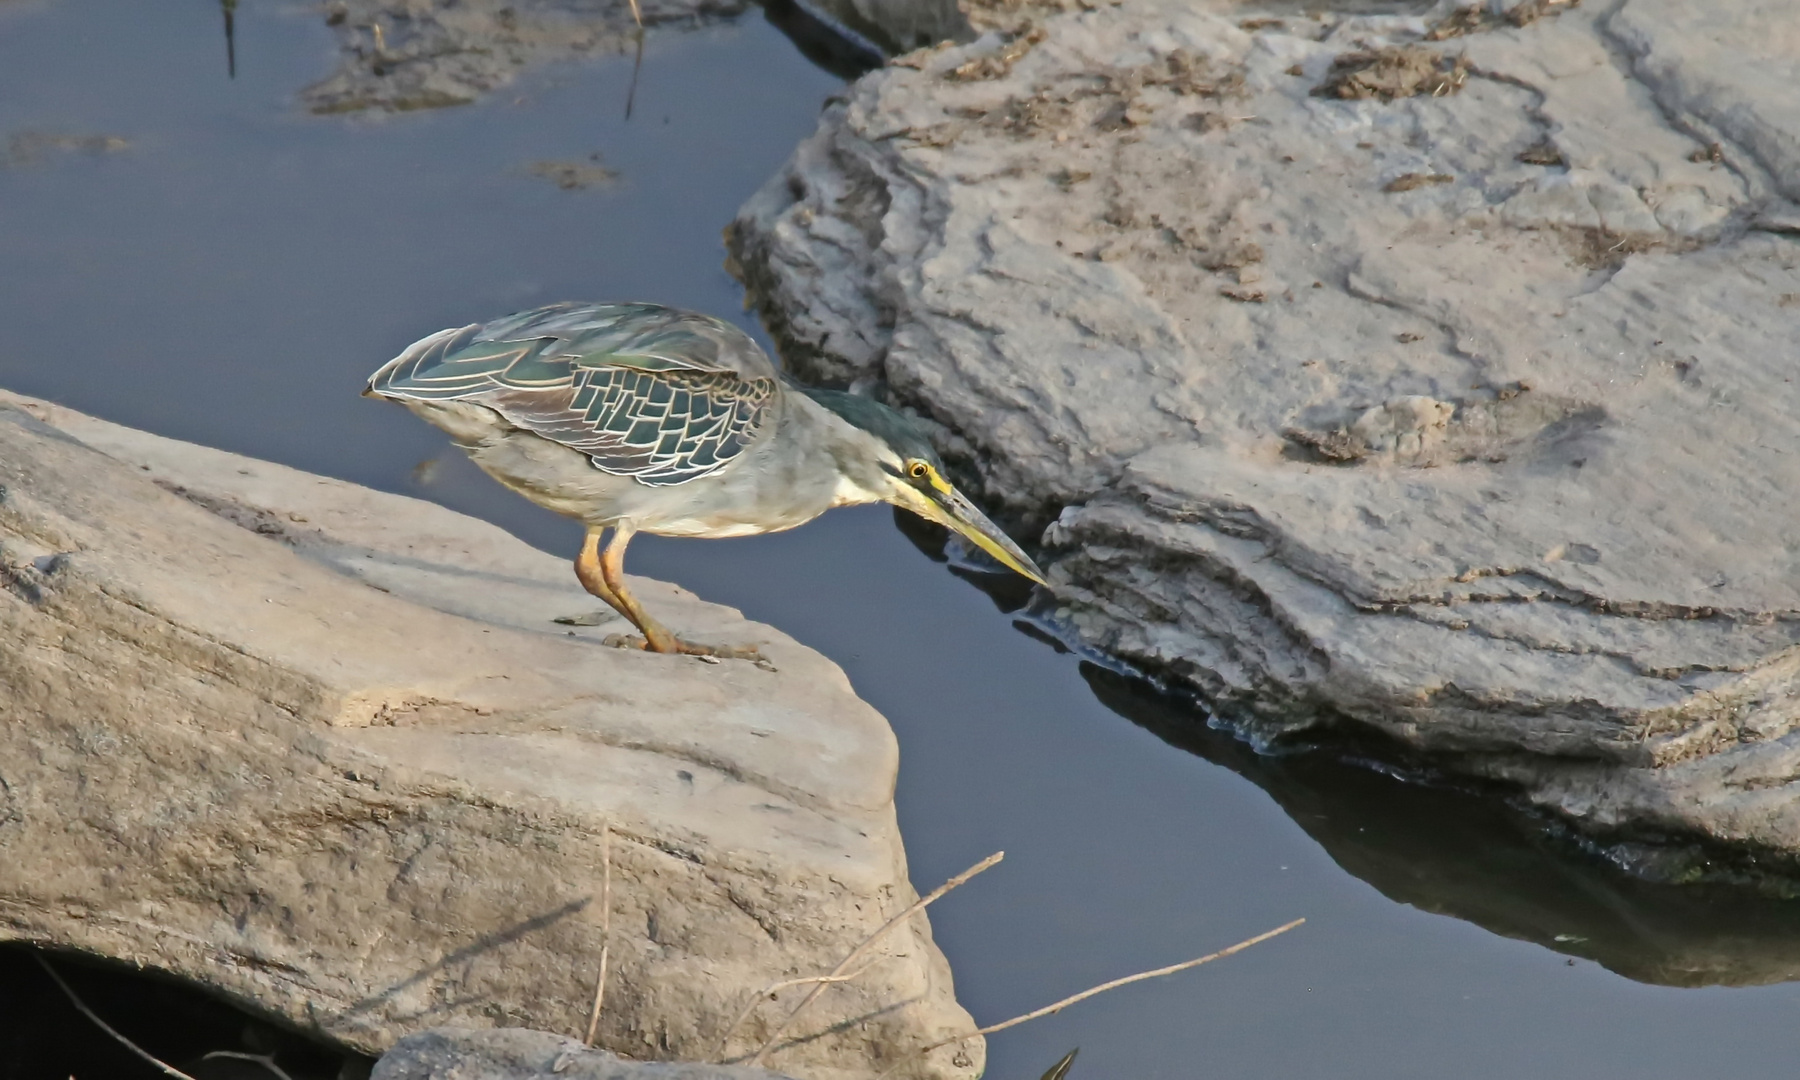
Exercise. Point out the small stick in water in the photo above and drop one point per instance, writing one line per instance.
(1103, 988)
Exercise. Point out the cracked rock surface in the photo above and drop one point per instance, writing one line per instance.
(322, 749)
(1433, 372)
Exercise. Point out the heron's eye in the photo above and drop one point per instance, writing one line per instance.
(918, 469)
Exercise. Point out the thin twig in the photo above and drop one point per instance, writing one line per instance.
(267, 1061)
(636, 15)
(769, 990)
(168, 1070)
(605, 928)
(844, 964)
(1103, 988)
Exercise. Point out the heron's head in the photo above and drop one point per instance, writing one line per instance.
(897, 465)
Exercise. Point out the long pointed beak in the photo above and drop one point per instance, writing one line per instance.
(948, 507)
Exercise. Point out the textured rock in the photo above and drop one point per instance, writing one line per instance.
(520, 1054)
(1430, 371)
(323, 749)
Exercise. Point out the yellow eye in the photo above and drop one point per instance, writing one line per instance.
(918, 469)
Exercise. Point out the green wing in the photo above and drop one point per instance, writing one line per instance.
(660, 395)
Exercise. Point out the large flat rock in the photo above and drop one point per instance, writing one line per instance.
(323, 749)
(1434, 372)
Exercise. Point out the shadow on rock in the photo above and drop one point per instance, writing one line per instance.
(1455, 852)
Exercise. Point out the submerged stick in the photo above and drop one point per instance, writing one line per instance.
(1104, 987)
(168, 1070)
(605, 929)
(843, 965)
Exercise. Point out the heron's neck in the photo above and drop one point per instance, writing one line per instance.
(839, 448)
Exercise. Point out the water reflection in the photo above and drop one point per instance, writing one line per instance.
(1475, 856)
(228, 8)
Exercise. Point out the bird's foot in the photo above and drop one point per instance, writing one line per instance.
(689, 648)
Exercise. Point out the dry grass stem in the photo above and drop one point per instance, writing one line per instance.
(593, 1026)
(167, 1070)
(868, 943)
(1104, 987)
(637, 16)
(775, 987)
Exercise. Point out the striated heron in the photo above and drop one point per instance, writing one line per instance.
(642, 418)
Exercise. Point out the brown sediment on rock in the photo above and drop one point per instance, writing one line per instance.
(1479, 18)
(1393, 72)
(1542, 152)
(996, 64)
(1412, 181)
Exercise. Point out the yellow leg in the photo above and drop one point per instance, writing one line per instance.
(612, 573)
(587, 570)
(602, 572)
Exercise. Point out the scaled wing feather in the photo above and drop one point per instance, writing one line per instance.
(660, 395)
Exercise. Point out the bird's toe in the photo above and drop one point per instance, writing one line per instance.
(690, 648)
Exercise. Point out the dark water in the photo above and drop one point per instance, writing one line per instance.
(233, 272)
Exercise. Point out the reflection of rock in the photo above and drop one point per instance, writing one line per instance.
(517, 1054)
(896, 26)
(1503, 465)
(1457, 853)
(33, 147)
(403, 55)
(575, 175)
(323, 749)
(398, 54)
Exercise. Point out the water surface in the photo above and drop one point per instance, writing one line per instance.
(188, 253)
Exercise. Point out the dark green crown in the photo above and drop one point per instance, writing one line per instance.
(877, 419)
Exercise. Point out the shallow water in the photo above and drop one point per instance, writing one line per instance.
(233, 272)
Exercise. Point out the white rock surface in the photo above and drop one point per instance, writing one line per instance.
(323, 749)
(1470, 415)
